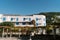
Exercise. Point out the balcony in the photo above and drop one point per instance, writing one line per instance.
(24, 25)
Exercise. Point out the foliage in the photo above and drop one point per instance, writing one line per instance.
(50, 15)
(48, 30)
(7, 24)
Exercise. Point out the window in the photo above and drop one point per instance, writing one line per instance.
(36, 19)
(36, 23)
(16, 19)
(17, 23)
(11, 19)
(4, 18)
(30, 23)
(23, 23)
(24, 19)
(44, 24)
(44, 19)
(29, 19)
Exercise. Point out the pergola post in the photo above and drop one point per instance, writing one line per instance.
(7, 33)
(10, 32)
(19, 32)
(3, 33)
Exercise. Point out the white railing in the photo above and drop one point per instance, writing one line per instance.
(25, 25)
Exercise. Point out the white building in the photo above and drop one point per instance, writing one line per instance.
(40, 20)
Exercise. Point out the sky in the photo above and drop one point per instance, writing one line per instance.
(27, 7)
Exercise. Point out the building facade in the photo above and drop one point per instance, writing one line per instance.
(23, 21)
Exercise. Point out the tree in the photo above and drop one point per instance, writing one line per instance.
(49, 29)
(56, 22)
(33, 22)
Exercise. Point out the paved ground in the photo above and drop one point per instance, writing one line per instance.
(8, 38)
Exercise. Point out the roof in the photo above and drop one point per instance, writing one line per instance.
(11, 15)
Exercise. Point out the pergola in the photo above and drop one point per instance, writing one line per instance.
(10, 31)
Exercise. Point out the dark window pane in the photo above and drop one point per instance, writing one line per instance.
(17, 23)
(4, 19)
(16, 19)
(36, 23)
(24, 19)
(11, 19)
(23, 23)
(36, 19)
(30, 23)
(29, 19)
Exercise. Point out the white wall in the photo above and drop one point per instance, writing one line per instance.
(1, 18)
(20, 19)
(41, 17)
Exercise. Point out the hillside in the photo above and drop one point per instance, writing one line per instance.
(49, 15)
